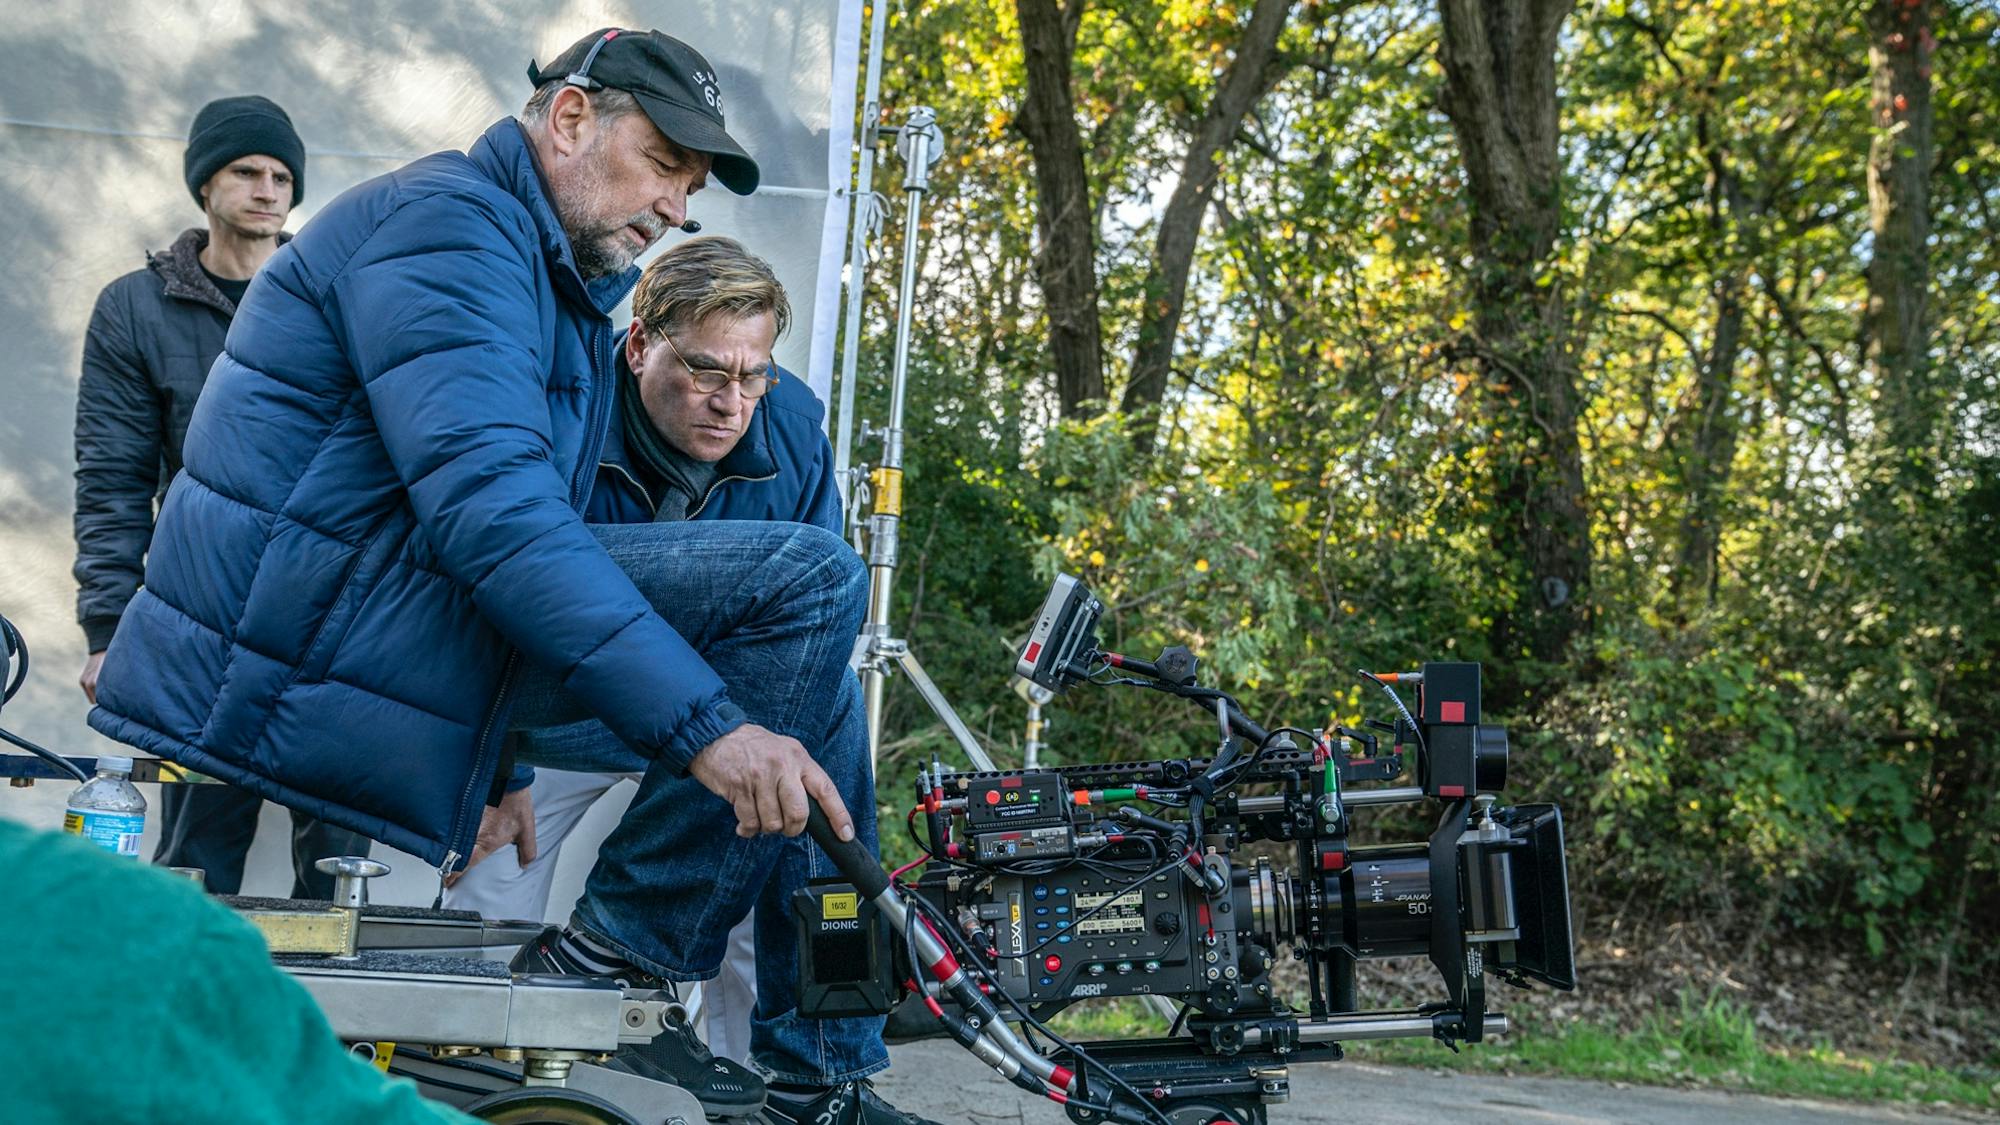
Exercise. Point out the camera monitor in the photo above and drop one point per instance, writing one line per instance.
(1064, 637)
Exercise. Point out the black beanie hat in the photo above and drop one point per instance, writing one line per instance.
(227, 128)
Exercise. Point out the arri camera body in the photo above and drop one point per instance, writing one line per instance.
(1190, 879)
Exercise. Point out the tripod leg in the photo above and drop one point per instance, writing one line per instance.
(873, 680)
(959, 731)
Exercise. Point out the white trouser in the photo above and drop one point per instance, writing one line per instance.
(500, 887)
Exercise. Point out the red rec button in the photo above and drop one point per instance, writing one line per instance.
(1052, 963)
(992, 796)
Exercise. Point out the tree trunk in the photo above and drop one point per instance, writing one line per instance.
(1895, 337)
(1250, 76)
(1500, 94)
(1067, 263)
(1710, 445)
(1709, 410)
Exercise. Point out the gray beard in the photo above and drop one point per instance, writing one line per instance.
(599, 253)
(600, 248)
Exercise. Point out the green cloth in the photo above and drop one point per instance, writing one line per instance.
(673, 480)
(131, 996)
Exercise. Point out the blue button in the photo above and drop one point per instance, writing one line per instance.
(1041, 892)
(1062, 910)
(1063, 940)
(1041, 925)
(1042, 910)
(1059, 925)
(1046, 981)
(1062, 891)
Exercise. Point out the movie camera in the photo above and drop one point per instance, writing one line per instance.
(1045, 887)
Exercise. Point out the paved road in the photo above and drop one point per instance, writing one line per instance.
(944, 1083)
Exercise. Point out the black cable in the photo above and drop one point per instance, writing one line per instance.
(1400, 709)
(1084, 1058)
(910, 906)
(456, 1087)
(1039, 868)
(1113, 897)
(1264, 747)
(910, 942)
(49, 756)
(15, 645)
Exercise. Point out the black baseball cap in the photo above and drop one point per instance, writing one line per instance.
(673, 84)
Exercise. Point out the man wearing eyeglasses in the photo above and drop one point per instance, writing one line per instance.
(707, 427)
(695, 367)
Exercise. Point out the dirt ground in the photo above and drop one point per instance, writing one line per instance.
(1798, 994)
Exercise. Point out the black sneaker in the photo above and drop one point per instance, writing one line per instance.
(676, 1056)
(543, 955)
(850, 1103)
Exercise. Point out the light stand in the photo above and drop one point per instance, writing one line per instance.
(867, 223)
(920, 143)
(1035, 695)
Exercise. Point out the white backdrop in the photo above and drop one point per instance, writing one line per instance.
(95, 102)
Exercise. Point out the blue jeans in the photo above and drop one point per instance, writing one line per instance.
(774, 609)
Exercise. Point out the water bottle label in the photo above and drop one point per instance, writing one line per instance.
(114, 832)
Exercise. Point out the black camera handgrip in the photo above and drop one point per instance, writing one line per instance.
(853, 860)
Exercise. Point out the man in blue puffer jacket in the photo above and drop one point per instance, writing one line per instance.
(375, 564)
(762, 456)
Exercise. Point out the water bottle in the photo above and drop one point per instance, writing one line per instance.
(107, 810)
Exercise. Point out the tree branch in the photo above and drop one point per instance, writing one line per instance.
(1250, 76)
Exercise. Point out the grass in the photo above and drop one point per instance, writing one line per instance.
(1694, 1042)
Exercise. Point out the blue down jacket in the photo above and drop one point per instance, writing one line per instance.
(379, 520)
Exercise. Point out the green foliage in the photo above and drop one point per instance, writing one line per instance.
(1805, 739)
(1702, 1042)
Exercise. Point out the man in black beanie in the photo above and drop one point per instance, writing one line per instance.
(152, 338)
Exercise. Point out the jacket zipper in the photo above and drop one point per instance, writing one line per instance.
(600, 416)
(654, 507)
(718, 483)
(485, 732)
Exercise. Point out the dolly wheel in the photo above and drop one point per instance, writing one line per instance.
(547, 1105)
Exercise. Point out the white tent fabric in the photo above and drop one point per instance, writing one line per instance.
(95, 102)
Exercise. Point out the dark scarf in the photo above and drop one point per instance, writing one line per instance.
(675, 481)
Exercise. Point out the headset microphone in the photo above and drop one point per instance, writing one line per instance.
(691, 227)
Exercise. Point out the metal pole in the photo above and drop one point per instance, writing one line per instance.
(866, 221)
(907, 660)
(1036, 696)
(1369, 1025)
(920, 143)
